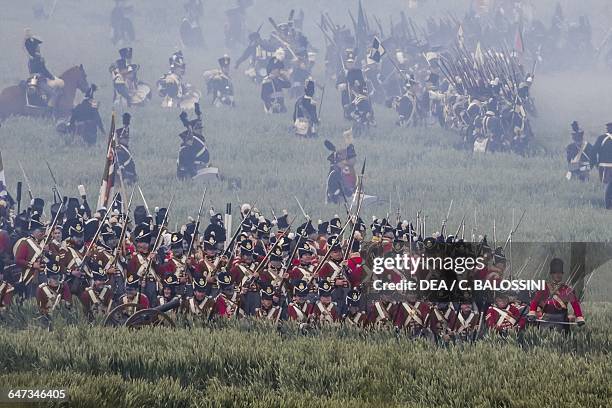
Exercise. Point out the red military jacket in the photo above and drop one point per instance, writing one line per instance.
(358, 319)
(504, 319)
(240, 271)
(441, 321)
(411, 315)
(299, 313)
(554, 300)
(325, 313)
(140, 299)
(26, 250)
(272, 314)
(466, 324)
(381, 312)
(6, 294)
(97, 298)
(226, 307)
(46, 296)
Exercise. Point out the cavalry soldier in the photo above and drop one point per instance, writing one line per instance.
(272, 87)
(43, 88)
(200, 304)
(268, 310)
(71, 257)
(125, 161)
(603, 153)
(325, 311)
(123, 79)
(97, 298)
(553, 301)
(467, 323)
(502, 317)
(228, 302)
(305, 119)
(133, 294)
(300, 308)
(579, 154)
(193, 153)
(354, 315)
(85, 119)
(219, 83)
(29, 254)
(121, 25)
(412, 315)
(51, 293)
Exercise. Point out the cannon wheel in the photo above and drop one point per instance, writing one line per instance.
(116, 317)
(148, 317)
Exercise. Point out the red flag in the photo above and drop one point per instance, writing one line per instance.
(519, 46)
(108, 175)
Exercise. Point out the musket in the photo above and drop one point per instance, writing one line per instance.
(302, 209)
(25, 277)
(513, 230)
(356, 216)
(82, 263)
(443, 228)
(315, 273)
(265, 259)
(156, 243)
(119, 246)
(195, 232)
(27, 181)
(227, 219)
(144, 201)
(321, 104)
(461, 224)
(54, 179)
(18, 196)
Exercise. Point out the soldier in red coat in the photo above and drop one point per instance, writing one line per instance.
(502, 317)
(133, 293)
(300, 308)
(200, 305)
(49, 295)
(325, 311)
(467, 322)
(553, 301)
(98, 297)
(355, 314)
(227, 303)
(6, 290)
(268, 310)
(411, 315)
(29, 252)
(305, 268)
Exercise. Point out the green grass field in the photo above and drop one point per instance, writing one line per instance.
(416, 169)
(249, 363)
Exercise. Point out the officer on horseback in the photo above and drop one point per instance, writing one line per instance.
(43, 88)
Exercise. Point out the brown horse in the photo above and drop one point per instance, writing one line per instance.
(13, 99)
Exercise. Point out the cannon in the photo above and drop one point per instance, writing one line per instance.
(119, 315)
(153, 317)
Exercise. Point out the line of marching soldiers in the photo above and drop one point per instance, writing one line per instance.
(309, 276)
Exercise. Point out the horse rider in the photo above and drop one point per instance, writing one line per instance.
(40, 78)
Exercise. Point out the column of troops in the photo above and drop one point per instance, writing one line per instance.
(264, 270)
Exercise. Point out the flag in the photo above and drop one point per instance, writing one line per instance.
(519, 46)
(108, 175)
(460, 36)
(478, 55)
(4, 194)
(376, 52)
